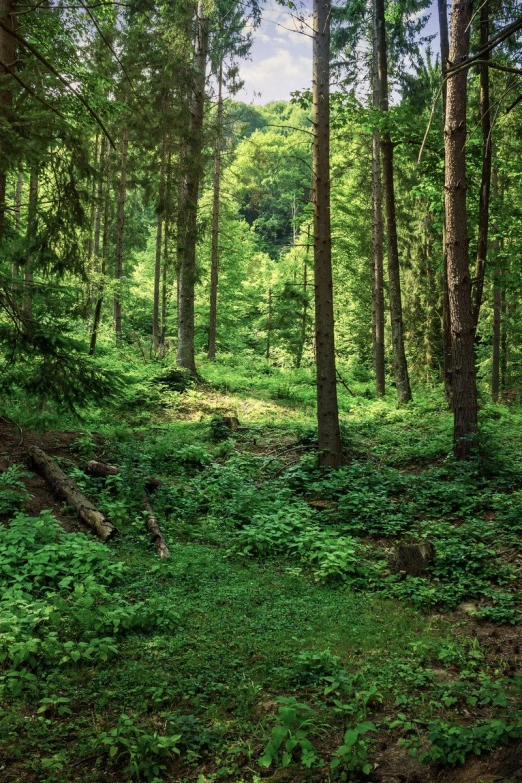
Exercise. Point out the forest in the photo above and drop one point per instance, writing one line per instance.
(261, 392)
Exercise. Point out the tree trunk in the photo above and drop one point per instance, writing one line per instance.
(459, 283)
(188, 207)
(65, 489)
(304, 316)
(164, 287)
(485, 185)
(120, 230)
(99, 300)
(156, 336)
(214, 265)
(377, 237)
(268, 325)
(330, 453)
(8, 57)
(400, 365)
(497, 308)
(153, 527)
(446, 324)
(32, 228)
(18, 205)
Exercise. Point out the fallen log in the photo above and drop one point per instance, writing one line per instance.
(100, 469)
(103, 470)
(65, 489)
(153, 527)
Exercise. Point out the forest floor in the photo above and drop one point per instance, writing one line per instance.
(278, 642)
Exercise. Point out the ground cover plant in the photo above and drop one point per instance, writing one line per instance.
(279, 638)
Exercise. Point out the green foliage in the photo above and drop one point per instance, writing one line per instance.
(13, 493)
(452, 744)
(289, 736)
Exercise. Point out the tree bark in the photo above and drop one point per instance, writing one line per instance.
(485, 185)
(446, 324)
(188, 205)
(400, 365)
(65, 489)
(18, 203)
(153, 527)
(330, 453)
(497, 308)
(214, 264)
(99, 301)
(32, 228)
(7, 56)
(120, 231)
(377, 236)
(164, 286)
(459, 283)
(156, 332)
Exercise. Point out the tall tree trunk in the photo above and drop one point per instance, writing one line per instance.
(164, 286)
(400, 365)
(156, 330)
(304, 315)
(18, 205)
(32, 228)
(485, 185)
(99, 301)
(459, 283)
(329, 435)
(7, 57)
(214, 263)
(377, 236)
(446, 323)
(120, 231)
(188, 208)
(497, 308)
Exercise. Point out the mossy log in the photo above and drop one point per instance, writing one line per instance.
(65, 489)
(100, 469)
(152, 525)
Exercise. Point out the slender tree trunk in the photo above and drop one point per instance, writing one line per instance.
(92, 216)
(18, 205)
(214, 264)
(400, 365)
(377, 236)
(330, 453)
(503, 341)
(497, 308)
(156, 332)
(164, 287)
(105, 237)
(99, 209)
(304, 316)
(120, 231)
(485, 185)
(446, 324)
(188, 209)
(459, 283)
(32, 228)
(8, 57)
(269, 325)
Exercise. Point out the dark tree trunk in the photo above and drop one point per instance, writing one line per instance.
(32, 229)
(99, 301)
(377, 237)
(459, 283)
(7, 57)
(330, 453)
(446, 324)
(120, 232)
(18, 204)
(214, 262)
(400, 365)
(497, 308)
(164, 286)
(188, 208)
(156, 329)
(485, 185)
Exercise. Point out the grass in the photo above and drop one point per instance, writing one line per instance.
(274, 621)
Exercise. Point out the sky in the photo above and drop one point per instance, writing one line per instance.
(281, 56)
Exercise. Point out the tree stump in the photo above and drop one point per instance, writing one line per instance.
(414, 559)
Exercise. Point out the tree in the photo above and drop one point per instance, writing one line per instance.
(214, 263)
(400, 365)
(327, 409)
(459, 282)
(377, 230)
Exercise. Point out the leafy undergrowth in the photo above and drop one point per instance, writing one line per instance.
(279, 634)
